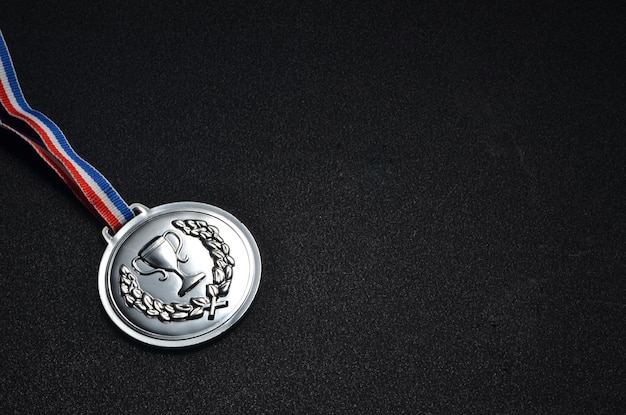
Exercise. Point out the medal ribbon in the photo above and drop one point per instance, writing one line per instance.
(43, 135)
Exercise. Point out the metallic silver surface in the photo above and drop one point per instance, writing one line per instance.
(178, 274)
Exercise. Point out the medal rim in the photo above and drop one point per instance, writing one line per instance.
(115, 242)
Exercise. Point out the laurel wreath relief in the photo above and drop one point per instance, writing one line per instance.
(222, 272)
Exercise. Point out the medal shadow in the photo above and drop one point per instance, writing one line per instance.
(123, 339)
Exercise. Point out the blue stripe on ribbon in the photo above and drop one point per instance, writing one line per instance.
(95, 175)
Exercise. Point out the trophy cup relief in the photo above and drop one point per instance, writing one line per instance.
(163, 254)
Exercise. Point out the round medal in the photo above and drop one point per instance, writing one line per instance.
(179, 274)
(172, 276)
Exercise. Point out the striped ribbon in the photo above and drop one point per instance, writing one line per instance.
(46, 138)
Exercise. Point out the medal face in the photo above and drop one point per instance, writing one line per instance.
(179, 274)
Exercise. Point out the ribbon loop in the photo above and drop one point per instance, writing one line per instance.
(89, 185)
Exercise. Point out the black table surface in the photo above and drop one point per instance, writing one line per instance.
(437, 191)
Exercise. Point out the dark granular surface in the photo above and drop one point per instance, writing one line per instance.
(437, 191)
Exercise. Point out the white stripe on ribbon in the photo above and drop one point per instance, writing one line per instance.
(96, 189)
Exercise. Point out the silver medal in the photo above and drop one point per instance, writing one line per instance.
(179, 274)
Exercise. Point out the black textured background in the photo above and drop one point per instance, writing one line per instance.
(437, 190)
